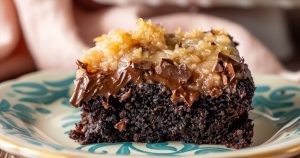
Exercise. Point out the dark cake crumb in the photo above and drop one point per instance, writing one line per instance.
(145, 113)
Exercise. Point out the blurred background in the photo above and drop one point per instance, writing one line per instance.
(46, 34)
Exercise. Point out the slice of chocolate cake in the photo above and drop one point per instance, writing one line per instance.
(147, 85)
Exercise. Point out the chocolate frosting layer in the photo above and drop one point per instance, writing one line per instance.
(178, 78)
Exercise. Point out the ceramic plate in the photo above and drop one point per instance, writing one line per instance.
(36, 117)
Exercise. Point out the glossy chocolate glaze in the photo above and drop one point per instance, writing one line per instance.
(178, 78)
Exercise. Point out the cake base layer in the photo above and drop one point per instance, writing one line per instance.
(145, 113)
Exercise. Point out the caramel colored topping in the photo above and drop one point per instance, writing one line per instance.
(197, 49)
(190, 64)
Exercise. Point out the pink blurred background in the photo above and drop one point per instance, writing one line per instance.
(37, 35)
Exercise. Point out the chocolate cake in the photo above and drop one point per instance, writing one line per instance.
(147, 85)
